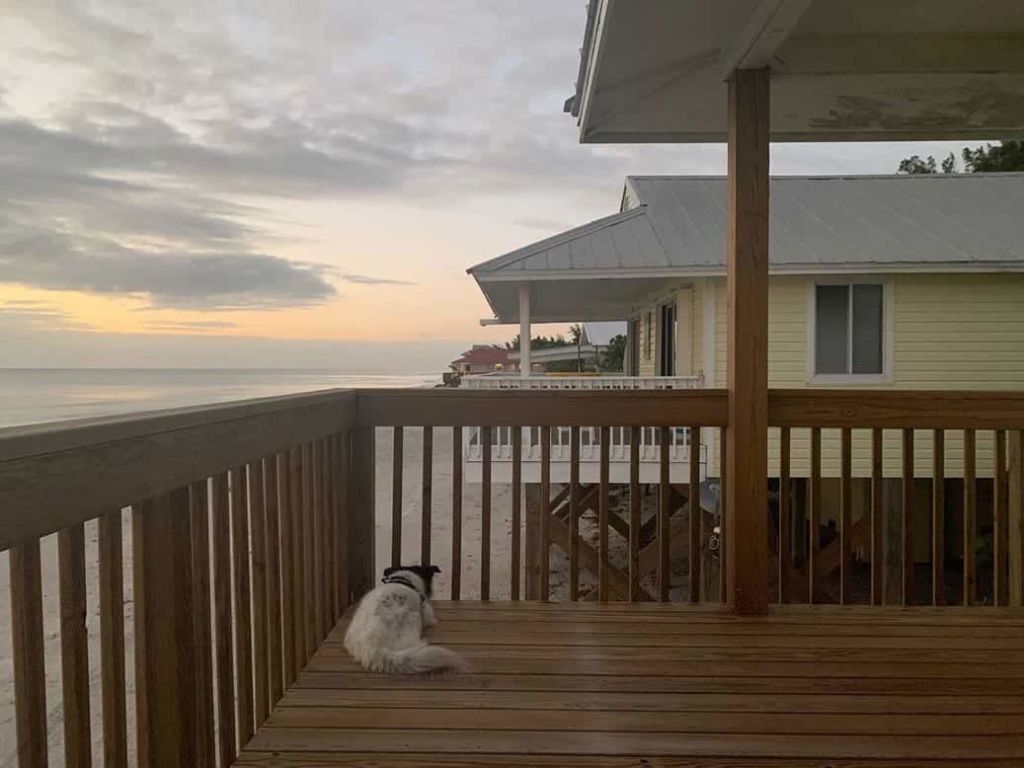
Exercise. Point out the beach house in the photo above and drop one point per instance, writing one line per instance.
(250, 529)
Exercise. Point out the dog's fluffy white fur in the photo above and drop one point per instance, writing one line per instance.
(386, 633)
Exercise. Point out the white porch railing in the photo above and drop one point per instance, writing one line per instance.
(590, 445)
(596, 382)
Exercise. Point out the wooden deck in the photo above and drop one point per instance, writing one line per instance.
(648, 684)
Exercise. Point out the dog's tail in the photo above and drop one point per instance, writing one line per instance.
(421, 660)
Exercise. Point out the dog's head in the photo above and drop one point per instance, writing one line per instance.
(424, 572)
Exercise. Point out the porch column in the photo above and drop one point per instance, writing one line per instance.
(524, 330)
(746, 508)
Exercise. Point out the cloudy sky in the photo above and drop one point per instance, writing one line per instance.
(272, 182)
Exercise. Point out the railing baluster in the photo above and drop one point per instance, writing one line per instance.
(287, 535)
(456, 513)
(243, 613)
(327, 538)
(274, 557)
(222, 612)
(398, 452)
(574, 513)
(29, 665)
(877, 520)
(907, 519)
(315, 533)
(361, 511)
(722, 532)
(634, 514)
(485, 514)
(814, 517)
(258, 521)
(970, 519)
(545, 512)
(938, 517)
(298, 560)
(342, 541)
(845, 515)
(517, 509)
(426, 501)
(164, 640)
(664, 499)
(696, 518)
(1000, 515)
(74, 647)
(308, 558)
(199, 520)
(112, 669)
(785, 516)
(602, 516)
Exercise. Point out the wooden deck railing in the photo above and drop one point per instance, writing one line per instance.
(252, 529)
(239, 569)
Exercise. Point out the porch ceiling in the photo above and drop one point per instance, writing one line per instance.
(870, 70)
(571, 300)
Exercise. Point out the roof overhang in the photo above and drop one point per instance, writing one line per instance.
(655, 71)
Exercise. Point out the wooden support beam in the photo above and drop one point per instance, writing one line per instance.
(746, 542)
(1015, 524)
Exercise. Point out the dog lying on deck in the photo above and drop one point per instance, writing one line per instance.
(386, 633)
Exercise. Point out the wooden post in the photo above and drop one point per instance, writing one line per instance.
(164, 642)
(1015, 525)
(361, 514)
(746, 543)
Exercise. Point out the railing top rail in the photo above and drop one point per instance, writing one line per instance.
(49, 437)
(57, 475)
(528, 408)
(895, 409)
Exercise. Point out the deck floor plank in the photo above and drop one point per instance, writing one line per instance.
(606, 684)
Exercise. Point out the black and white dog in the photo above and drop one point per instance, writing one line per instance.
(386, 633)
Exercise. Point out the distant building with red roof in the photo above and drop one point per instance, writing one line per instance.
(483, 358)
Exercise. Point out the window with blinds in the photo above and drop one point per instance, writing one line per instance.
(848, 329)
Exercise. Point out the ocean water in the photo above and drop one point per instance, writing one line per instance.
(31, 395)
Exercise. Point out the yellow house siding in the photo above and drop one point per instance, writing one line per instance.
(948, 332)
(958, 332)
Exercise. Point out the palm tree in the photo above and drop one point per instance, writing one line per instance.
(576, 337)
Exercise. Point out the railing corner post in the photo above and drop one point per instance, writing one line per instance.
(164, 647)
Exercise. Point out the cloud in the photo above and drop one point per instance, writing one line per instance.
(366, 280)
(190, 325)
(144, 147)
(541, 223)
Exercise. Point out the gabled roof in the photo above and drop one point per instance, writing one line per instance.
(676, 226)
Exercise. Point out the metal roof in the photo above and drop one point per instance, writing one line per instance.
(676, 226)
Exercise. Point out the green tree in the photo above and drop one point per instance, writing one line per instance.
(1004, 156)
(915, 166)
(613, 357)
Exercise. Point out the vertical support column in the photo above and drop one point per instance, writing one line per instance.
(524, 330)
(746, 543)
(164, 643)
(361, 514)
(1015, 524)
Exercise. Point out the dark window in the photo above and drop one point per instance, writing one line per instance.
(848, 329)
(667, 344)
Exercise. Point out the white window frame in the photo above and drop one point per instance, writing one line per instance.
(847, 379)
